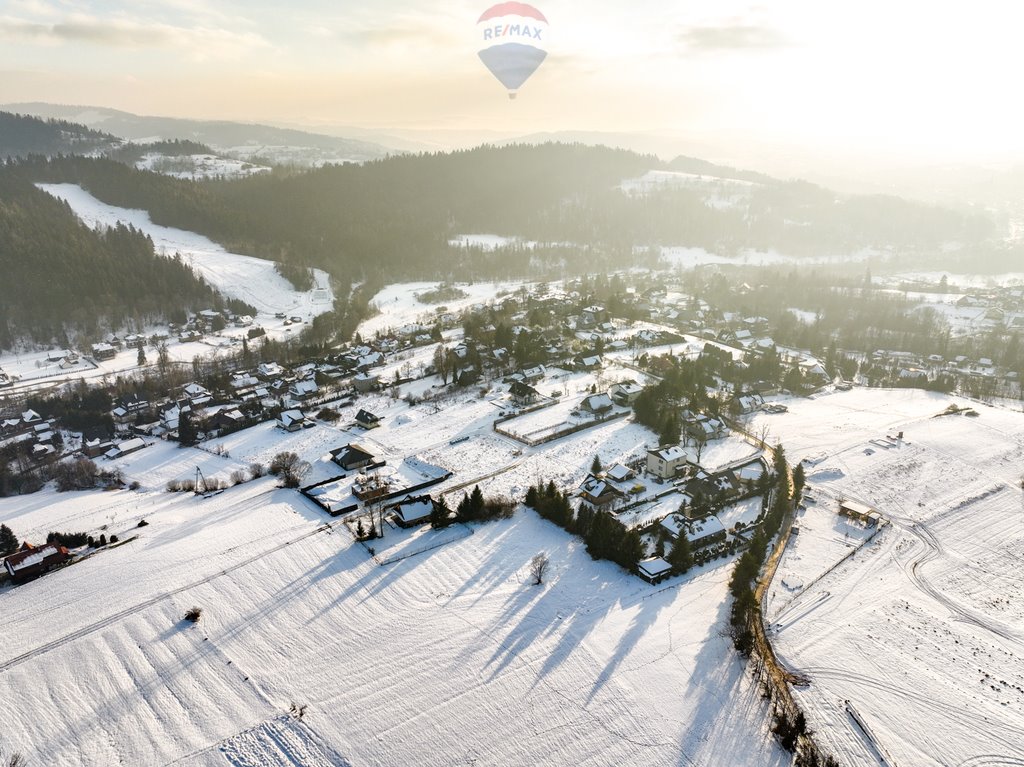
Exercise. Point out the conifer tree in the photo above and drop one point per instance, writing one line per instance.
(680, 557)
(439, 514)
(8, 541)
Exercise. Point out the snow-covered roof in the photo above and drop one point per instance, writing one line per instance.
(304, 387)
(654, 567)
(669, 454)
(598, 402)
(26, 559)
(289, 417)
(415, 510)
(619, 473)
(698, 529)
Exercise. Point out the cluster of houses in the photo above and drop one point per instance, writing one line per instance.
(38, 439)
(908, 367)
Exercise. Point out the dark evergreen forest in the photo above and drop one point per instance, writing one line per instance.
(394, 217)
(21, 135)
(57, 274)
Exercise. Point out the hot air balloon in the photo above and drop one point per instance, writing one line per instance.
(513, 36)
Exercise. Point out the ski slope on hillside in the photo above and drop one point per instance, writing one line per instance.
(253, 280)
(921, 628)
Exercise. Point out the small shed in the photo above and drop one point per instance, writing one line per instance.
(860, 512)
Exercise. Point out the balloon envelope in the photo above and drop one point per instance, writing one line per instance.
(513, 38)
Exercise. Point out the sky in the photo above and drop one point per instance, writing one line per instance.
(899, 78)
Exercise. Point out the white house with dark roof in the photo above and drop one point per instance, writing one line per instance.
(666, 462)
(291, 420)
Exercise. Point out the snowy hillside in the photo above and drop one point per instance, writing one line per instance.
(253, 280)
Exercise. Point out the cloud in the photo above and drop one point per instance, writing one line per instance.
(732, 36)
(201, 42)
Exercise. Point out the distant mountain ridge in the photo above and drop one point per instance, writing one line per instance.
(252, 140)
(22, 135)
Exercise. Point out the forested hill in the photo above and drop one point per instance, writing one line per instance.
(21, 135)
(394, 217)
(58, 275)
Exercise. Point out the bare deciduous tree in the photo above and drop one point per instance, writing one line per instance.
(539, 566)
(290, 468)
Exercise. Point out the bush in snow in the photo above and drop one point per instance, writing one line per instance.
(194, 614)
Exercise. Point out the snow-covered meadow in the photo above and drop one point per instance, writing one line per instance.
(448, 657)
(920, 627)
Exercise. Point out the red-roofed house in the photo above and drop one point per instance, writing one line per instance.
(33, 561)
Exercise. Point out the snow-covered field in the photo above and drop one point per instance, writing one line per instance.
(448, 657)
(921, 629)
(253, 280)
(398, 304)
(199, 166)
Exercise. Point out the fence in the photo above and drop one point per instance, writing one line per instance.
(560, 432)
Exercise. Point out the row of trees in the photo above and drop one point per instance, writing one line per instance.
(748, 566)
(604, 535)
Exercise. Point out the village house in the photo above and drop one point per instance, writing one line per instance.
(860, 512)
(625, 393)
(225, 420)
(703, 428)
(411, 511)
(534, 374)
(619, 473)
(667, 461)
(365, 382)
(654, 570)
(700, 533)
(121, 449)
(599, 492)
(291, 420)
(96, 446)
(367, 420)
(351, 457)
(303, 390)
(587, 362)
(523, 394)
(269, 371)
(103, 351)
(748, 403)
(598, 404)
(32, 561)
